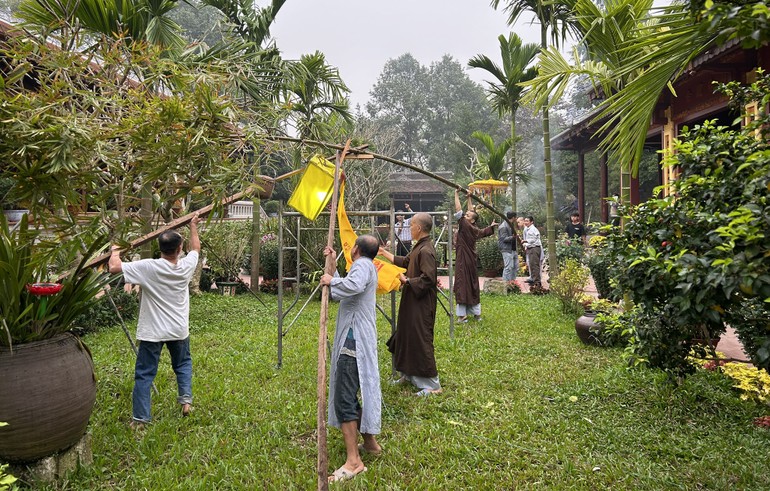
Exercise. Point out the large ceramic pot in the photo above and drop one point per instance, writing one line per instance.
(587, 328)
(227, 288)
(47, 393)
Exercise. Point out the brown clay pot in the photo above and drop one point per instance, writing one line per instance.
(47, 393)
(584, 326)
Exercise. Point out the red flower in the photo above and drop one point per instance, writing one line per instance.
(44, 289)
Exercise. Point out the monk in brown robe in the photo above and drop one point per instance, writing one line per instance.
(466, 281)
(412, 343)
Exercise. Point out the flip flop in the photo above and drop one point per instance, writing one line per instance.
(343, 474)
(398, 381)
(362, 450)
(427, 392)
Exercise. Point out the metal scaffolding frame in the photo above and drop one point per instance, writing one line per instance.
(290, 224)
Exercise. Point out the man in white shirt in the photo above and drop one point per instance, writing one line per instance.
(164, 316)
(403, 232)
(534, 248)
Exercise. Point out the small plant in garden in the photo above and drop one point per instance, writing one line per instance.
(568, 286)
(752, 382)
(567, 248)
(6, 479)
(512, 287)
(616, 327)
(599, 264)
(29, 316)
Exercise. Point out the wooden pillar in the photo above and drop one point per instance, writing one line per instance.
(635, 200)
(581, 189)
(669, 134)
(604, 184)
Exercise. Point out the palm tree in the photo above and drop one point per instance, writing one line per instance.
(602, 29)
(685, 31)
(506, 94)
(315, 96)
(133, 21)
(553, 17)
(494, 160)
(249, 22)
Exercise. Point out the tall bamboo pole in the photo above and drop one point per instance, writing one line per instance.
(331, 260)
(176, 223)
(400, 163)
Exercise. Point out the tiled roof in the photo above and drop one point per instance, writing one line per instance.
(414, 182)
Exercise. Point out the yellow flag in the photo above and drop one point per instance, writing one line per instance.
(387, 273)
(314, 190)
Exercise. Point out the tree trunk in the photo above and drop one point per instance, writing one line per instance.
(145, 212)
(256, 242)
(549, 211)
(513, 181)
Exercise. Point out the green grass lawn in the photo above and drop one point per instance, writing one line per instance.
(525, 406)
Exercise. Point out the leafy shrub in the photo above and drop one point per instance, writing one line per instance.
(615, 329)
(102, 313)
(567, 248)
(270, 207)
(512, 287)
(268, 259)
(489, 255)
(225, 245)
(693, 260)
(568, 286)
(599, 264)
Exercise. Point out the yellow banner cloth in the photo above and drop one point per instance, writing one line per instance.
(387, 273)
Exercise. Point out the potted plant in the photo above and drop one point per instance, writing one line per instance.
(590, 326)
(569, 286)
(48, 386)
(226, 245)
(11, 209)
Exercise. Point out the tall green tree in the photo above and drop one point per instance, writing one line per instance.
(398, 100)
(553, 18)
(505, 95)
(602, 28)
(456, 108)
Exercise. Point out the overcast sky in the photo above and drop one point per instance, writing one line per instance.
(360, 36)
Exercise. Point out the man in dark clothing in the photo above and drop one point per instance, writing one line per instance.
(575, 229)
(466, 284)
(412, 343)
(507, 246)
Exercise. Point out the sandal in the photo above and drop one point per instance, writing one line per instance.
(343, 474)
(427, 392)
